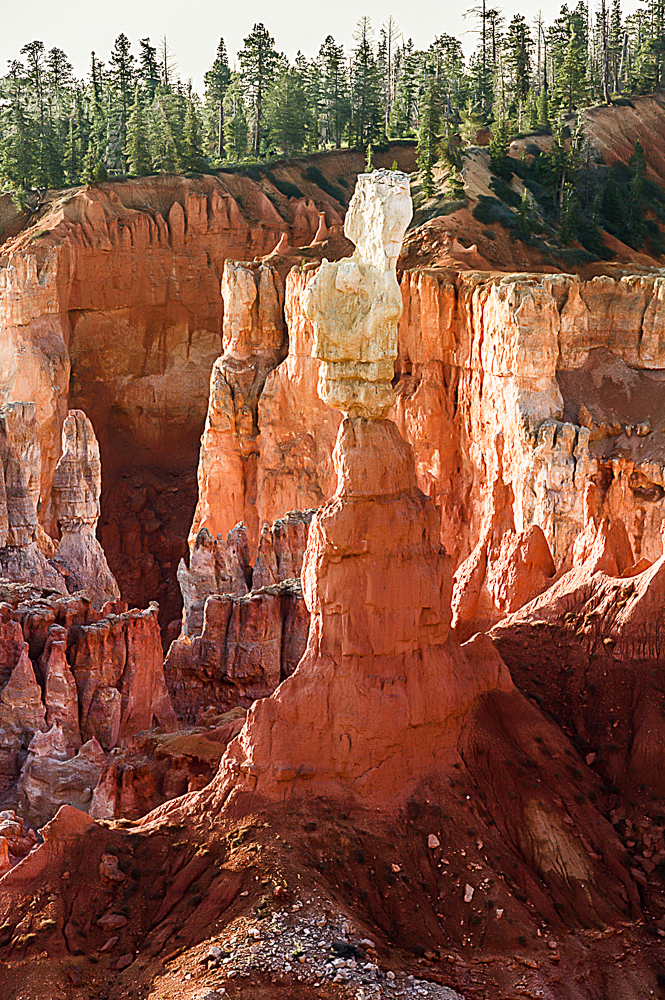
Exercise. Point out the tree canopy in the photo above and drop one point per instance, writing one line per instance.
(133, 114)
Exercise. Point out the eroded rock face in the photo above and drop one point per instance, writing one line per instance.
(50, 778)
(601, 640)
(380, 663)
(132, 291)
(246, 647)
(542, 383)
(20, 468)
(504, 570)
(62, 661)
(158, 767)
(281, 549)
(492, 375)
(381, 674)
(355, 303)
(254, 344)
(216, 566)
(244, 628)
(75, 498)
(117, 665)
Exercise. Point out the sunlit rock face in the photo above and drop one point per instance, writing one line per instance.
(21, 559)
(382, 680)
(355, 303)
(77, 486)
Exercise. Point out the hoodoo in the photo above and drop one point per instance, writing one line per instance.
(383, 688)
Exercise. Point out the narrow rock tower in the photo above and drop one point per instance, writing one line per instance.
(383, 688)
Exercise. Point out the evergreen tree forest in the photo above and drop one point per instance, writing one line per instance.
(133, 115)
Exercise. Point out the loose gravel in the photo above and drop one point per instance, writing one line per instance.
(315, 949)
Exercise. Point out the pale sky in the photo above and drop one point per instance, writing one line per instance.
(193, 29)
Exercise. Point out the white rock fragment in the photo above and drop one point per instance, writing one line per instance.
(355, 303)
(468, 893)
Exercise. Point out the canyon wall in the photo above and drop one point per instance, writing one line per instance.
(515, 391)
(110, 303)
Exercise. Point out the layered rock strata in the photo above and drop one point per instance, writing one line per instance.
(540, 384)
(381, 677)
(21, 559)
(255, 342)
(246, 646)
(379, 656)
(244, 628)
(75, 498)
(216, 566)
(590, 650)
(160, 766)
(124, 280)
(461, 815)
(71, 675)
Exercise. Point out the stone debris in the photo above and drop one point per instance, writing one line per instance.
(112, 921)
(315, 949)
(108, 868)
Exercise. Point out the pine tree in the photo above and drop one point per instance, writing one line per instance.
(93, 168)
(429, 135)
(77, 139)
(471, 123)
(311, 79)
(258, 59)
(404, 113)
(336, 103)
(500, 134)
(519, 45)
(531, 111)
(59, 82)
(543, 110)
(367, 112)
(148, 72)
(192, 158)
(387, 57)
(237, 127)
(166, 138)
(137, 147)
(122, 73)
(168, 68)
(286, 112)
(217, 81)
(634, 215)
(616, 44)
(35, 65)
(483, 88)
(48, 170)
(17, 149)
(571, 81)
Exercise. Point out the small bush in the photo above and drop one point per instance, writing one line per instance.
(286, 188)
(652, 192)
(573, 256)
(656, 246)
(314, 175)
(452, 206)
(490, 210)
